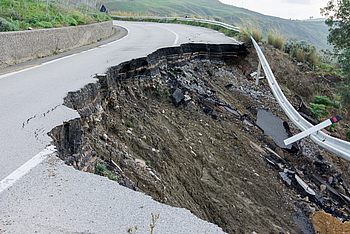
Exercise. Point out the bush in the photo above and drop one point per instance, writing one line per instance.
(302, 51)
(101, 169)
(6, 25)
(319, 111)
(276, 40)
(348, 134)
(324, 100)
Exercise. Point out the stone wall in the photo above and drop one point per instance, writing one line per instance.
(22, 46)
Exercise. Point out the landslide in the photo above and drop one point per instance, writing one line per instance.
(180, 125)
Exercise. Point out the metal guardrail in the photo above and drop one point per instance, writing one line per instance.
(212, 22)
(332, 144)
(335, 145)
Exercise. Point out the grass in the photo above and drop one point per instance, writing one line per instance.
(276, 40)
(322, 105)
(102, 170)
(24, 14)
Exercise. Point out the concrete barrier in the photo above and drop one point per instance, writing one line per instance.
(22, 46)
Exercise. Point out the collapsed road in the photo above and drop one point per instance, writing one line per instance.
(186, 126)
(52, 197)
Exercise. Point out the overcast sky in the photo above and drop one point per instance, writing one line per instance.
(295, 9)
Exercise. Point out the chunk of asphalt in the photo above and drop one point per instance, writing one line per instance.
(178, 97)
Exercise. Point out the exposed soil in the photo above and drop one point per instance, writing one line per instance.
(179, 125)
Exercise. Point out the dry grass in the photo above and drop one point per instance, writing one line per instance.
(276, 40)
(245, 34)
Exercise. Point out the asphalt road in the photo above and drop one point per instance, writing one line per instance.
(52, 197)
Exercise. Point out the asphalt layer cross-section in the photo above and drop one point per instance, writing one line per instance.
(54, 198)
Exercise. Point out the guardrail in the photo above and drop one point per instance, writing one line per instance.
(206, 21)
(332, 144)
(335, 145)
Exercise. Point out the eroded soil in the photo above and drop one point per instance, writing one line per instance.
(186, 135)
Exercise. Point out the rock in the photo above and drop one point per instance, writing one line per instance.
(187, 98)
(178, 97)
(323, 188)
(105, 137)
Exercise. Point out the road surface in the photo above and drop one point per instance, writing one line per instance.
(55, 198)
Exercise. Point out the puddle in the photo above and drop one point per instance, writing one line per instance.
(273, 127)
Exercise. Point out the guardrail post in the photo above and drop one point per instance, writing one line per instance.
(258, 74)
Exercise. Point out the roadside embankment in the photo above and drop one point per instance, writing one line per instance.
(22, 46)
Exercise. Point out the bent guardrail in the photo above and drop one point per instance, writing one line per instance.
(332, 144)
(335, 145)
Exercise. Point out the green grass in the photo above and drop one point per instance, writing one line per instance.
(22, 14)
(322, 105)
(101, 169)
(315, 32)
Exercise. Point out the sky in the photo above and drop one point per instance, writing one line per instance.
(288, 9)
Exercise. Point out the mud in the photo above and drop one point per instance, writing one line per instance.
(180, 125)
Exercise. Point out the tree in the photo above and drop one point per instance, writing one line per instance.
(338, 20)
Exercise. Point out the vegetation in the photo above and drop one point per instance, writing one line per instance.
(276, 40)
(302, 51)
(23, 14)
(229, 33)
(102, 170)
(338, 20)
(321, 106)
(314, 31)
(348, 134)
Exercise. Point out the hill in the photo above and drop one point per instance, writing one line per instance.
(315, 32)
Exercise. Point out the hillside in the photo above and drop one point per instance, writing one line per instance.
(313, 31)
(22, 14)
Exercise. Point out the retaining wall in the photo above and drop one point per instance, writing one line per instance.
(22, 46)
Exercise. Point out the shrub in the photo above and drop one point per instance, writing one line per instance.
(319, 111)
(302, 51)
(6, 25)
(324, 100)
(348, 134)
(101, 169)
(276, 40)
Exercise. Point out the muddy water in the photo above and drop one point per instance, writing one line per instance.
(273, 127)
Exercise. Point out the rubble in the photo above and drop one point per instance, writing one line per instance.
(182, 128)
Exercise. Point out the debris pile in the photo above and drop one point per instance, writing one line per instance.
(182, 125)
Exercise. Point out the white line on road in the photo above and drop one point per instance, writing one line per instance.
(176, 35)
(62, 58)
(25, 168)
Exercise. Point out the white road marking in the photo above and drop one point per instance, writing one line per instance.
(25, 168)
(176, 41)
(37, 159)
(62, 58)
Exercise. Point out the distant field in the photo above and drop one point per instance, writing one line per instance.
(22, 14)
(315, 32)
